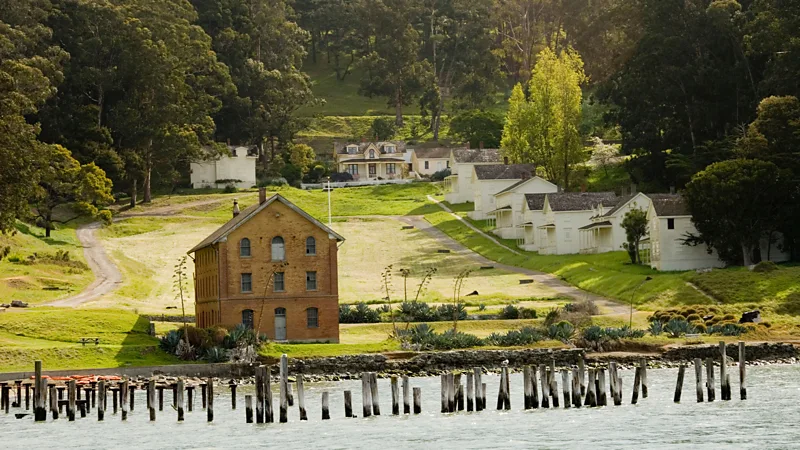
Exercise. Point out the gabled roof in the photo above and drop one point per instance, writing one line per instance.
(522, 182)
(669, 205)
(504, 171)
(341, 149)
(626, 199)
(249, 212)
(535, 201)
(476, 155)
(433, 153)
(603, 224)
(580, 201)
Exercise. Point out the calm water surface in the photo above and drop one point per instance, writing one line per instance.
(770, 419)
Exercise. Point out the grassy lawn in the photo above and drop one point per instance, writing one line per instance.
(41, 280)
(52, 335)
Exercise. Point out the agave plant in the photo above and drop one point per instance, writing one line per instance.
(656, 327)
(677, 327)
(561, 331)
(216, 355)
(169, 342)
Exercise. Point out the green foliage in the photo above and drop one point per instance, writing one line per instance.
(169, 342)
(677, 327)
(727, 329)
(510, 312)
(215, 355)
(383, 129)
(636, 228)
(424, 337)
(362, 313)
(478, 128)
(514, 338)
(594, 336)
(440, 175)
(765, 267)
(230, 189)
(562, 331)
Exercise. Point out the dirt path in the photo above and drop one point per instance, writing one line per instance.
(107, 276)
(471, 226)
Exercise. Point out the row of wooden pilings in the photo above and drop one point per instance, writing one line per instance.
(579, 387)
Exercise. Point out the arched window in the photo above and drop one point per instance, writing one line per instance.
(311, 246)
(312, 318)
(247, 318)
(278, 249)
(244, 248)
(372, 154)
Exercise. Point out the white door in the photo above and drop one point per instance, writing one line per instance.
(280, 324)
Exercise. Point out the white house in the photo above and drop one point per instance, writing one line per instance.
(372, 160)
(510, 203)
(564, 213)
(238, 169)
(427, 161)
(458, 186)
(532, 217)
(605, 232)
(488, 180)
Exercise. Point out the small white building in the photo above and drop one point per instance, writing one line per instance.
(669, 224)
(605, 232)
(427, 161)
(488, 180)
(367, 161)
(458, 186)
(532, 217)
(510, 203)
(238, 169)
(564, 213)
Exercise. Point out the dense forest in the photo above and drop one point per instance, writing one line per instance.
(125, 93)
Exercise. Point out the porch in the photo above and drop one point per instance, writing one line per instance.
(596, 237)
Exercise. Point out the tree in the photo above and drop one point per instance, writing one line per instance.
(65, 183)
(478, 127)
(382, 129)
(635, 225)
(603, 155)
(302, 156)
(515, 144)
(736, 203)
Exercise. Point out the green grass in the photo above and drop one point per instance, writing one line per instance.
(134, 226)
(779, 289)
(52, 335)
(460, 208)
(274, 350)
(613, 178)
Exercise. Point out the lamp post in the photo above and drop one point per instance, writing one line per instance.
(330, 222)
(630, 319)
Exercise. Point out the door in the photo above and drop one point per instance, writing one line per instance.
(373, 170)
(280, 324)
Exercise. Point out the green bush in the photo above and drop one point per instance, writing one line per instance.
(15, 258)
(728, 329)
(656, 327)
(169, 342)
(678, 327)
(693, 317)
(765, 267)
(514, 338)
(447, 311)
(215, 355)
(230, 189)
(561, 331)
(362, 313)
(510, 312)
(440, 175)
(426, 338)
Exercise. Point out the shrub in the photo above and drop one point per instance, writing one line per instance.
(15, 258)
(362, 313)
(240, 336)
(728, 329)
(424, 337)
(700, 327)
(447, 311)
(513, 338)
(440, 175)
(677, 327)
(170, 341)
(527, 313)
(215, 355)
(765, 267)
(341, 177)
(510, 312)
(561, 331)
(417, 312)
(765, 324)
(482, 307)
(230, 189)
(656, 327)
(693, 317)
(552, 316)
(584, 306)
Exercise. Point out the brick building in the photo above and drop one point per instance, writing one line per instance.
(271, 267)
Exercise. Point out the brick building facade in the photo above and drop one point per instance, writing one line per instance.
(272, 267)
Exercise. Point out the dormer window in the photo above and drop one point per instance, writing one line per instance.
(352, 149)
(390, 149)
(372, 154)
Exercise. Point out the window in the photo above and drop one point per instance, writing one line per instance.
(311, 246)
(352, 169)
(277, 282)
(373, 170)
(247, 282)
(372, 154)
(351, 149)
(390, 169)
(278, 249)
(311, 281)
(244, 248)
(312, 317)
(567, 234)
(390, 149)
(448, 164)
(427, 165)
(247, 318)
(670, 224)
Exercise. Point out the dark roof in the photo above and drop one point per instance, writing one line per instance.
(376, 160)
(504, 208)
(476, 155)
(669, 205)
(624, 200)
(437, 152)
(505, 171)
(580, 201)
(602, 224)
(251, 211)
(341, 148)
(535, 201)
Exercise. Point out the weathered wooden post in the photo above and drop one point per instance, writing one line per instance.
(602, 399)
(545, 386)
(18, 403)
(406, 395)
(151, 398)
(459, 392)
(180, 388)
(742, 360)
(301, 397)
(101, 400)
(443, 382)
(284, 374)
(395, 396)
(28, 396)
(643, 376)
(526, 387)
(451, 393)
(210, 399)
(160, 389)
(565, 387)
(124, 399)
(326, 412)
(612, 380)
(248, 408)
(260, 394)
(88, 391)
(501, 392)
(724, 381)
(480, 396)
(366, 395)
(232, 386)
(470, 392)
(553, 383)
(71, 399)
(39, 411)
(507, 396)
(576, 388)
(636, 382)
(269, 415)
(373, 385)
(591, 397)
(115, 398)
(710, 389)
(698, 378)
(417, 400)
(582, 375)
(190, 397)
(679, 386)
(284, 399)
(54, 404)
(203, 395)
(348, 404)
(534, 388)
(132, 395)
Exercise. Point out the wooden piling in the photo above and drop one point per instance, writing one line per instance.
(373, 385)
(395, 396)
(269, 415)
(284, 399)
(124, 398)
(565, 387)
(451, 392)
(366, 395)
(612, 381)
(443, 399)
(210, 399)
(151, 398)
(326, 412)
(742, 361)
(545, 401)
(203, 395)
(248, 408)
(479, 394)
(39, 411)
(180, 388)
(602, 398)
(724, 383)
(71, 399)
(710, 390)
(93, 385)
(679, 385)
(501, 391)
(28, 396)
(348, 404)
(259, 394)
(591, 397)
(301, 397)
(88, 395)
(406, 395)
(5, 398)
(54, 405)
(507, 398)
(18, 403)
(698, 378)
(637, 380)
(551, 375)
(189, 397)
(576, 388)
(161, 397)
(132, 395)
(643, 376)
(582, 375)
(115, 399)
(232, 386)
(534, 388)
(417, 400)
(101, 400)
(459, 392)
(526, 387)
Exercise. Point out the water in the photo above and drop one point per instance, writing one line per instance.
(767, 420)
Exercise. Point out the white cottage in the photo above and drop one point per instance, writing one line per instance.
(564, 213)
(605, 232)
(532, 217)
(488, 180)
(238, 169)
(509, 213)
(428, 161)
(458, 186)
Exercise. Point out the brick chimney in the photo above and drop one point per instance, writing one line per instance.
(262, 195)
(235, 208)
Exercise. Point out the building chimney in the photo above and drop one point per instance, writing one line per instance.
(480, 145)
(505, 160)
(633, 188)
(672, 189)
(262, 195)
(235, 208)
